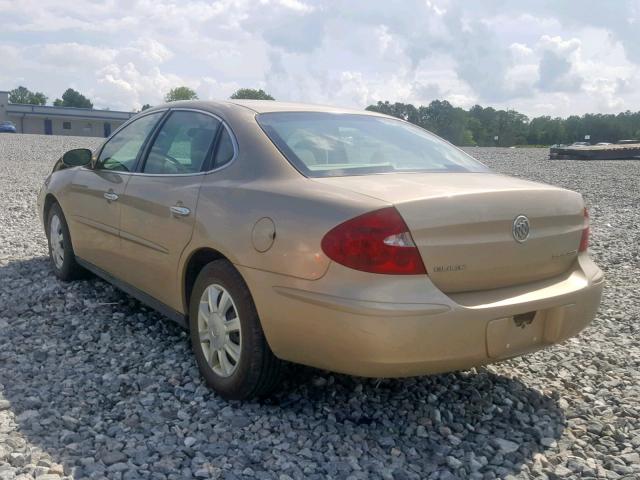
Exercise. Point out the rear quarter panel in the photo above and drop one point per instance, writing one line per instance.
(301, 210)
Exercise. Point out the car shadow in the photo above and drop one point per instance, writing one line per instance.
(107, 387)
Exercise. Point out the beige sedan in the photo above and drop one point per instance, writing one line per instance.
(345, 240)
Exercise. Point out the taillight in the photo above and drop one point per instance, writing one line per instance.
(376, 242)
(584, 241)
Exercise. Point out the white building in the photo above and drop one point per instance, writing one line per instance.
(47, 120)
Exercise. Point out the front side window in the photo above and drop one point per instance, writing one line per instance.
(121, 151)
(183, 144)
(323, 144)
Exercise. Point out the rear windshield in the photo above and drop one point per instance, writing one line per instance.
(322, 144)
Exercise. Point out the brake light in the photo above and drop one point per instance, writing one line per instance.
(584, 241)
(376, 242)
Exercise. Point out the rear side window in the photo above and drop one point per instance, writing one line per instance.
(225, 151)
(321, 144)
(183, 144)
(120, 153)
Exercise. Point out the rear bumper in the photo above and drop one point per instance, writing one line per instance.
(388, 326)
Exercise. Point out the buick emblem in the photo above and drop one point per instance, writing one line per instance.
(520, 229)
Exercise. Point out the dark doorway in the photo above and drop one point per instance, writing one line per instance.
(107, 129)
(48, 127)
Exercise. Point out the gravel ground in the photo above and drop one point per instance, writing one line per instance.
(95, 385)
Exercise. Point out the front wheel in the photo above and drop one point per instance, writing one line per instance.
(61, 253)
(226, 336)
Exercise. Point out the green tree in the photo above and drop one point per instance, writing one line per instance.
(405, 111)
(467, 140)
(180, 93)
(512, 128)
(447, 121)
(546, 131)
(480, 126)
(251, 94)
(483, 123)
(26, 96)
(146, 106)
(73, 98)
(475, 129)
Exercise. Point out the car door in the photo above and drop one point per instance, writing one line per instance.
(93, 203)
(159, 204)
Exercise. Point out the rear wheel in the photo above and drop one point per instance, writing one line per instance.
(226, 336)
(61, 253)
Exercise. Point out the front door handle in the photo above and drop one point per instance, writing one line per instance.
(110, 196)
(179, 211)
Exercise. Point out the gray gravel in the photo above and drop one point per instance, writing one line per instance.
(95, 385)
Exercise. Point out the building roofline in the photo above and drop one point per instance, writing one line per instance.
(73, 109)
(27, 110)
(68, 115)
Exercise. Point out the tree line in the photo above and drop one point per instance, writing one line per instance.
(486, 126)
(186, 93)
(481, 126)
(70, 98)
(73, 98)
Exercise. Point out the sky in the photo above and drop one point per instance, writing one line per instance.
(540, 57)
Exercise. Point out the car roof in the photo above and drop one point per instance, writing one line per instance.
(267, 106)
(263, 106)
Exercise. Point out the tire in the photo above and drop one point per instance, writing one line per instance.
(232, 330)
(63, 260)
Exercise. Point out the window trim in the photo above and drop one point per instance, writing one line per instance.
(216, 146)
(236, 148)
(147, 148)
(122, 127)
(144, 151)
(137, 171)
(142, 156)
(209, 161)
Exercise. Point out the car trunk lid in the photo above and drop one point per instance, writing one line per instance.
(463, 225)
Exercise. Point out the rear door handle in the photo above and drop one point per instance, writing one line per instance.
(179, 211)
(110, 196)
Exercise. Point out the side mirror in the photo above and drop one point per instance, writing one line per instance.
(77, 158)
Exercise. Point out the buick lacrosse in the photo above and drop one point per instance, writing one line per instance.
(344, 240)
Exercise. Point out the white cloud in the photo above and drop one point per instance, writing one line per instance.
(520, 52)
(556, 72)
(72, 56)
(294, 5)
(541, 57)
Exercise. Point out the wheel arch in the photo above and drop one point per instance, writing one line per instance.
(49, 200)
(196, 261)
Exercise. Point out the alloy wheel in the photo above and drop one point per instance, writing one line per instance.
(219, 330)
(56, 238)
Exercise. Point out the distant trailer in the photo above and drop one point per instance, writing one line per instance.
(626, 151)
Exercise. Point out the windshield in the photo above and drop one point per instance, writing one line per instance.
(322, 144)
